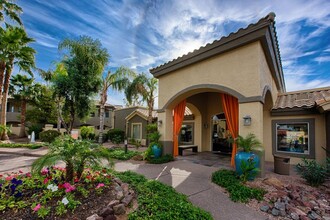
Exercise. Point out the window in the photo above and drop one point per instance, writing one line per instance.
(136, 131)
(294, 137)
(187, 134)
(107, 113)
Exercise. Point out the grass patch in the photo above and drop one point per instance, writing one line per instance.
(21, 145)
(238, 192)
(120, 154)
(163, 159)
(159, 201)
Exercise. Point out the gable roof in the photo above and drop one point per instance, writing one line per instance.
(143, 113)
(263, 31)
(304, 99)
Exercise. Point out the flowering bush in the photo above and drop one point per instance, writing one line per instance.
(49, 192)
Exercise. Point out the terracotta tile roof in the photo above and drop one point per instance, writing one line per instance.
(302, 99)
(144, 112)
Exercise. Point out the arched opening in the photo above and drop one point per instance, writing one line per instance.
(267, 138)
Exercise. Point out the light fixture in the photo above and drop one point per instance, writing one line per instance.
(247, 120)
(160, 122)
(215, 118)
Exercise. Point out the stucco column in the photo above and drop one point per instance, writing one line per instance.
(255, 110)
(166, 130)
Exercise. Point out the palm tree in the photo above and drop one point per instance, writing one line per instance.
(23, 90)
(10, 10)
(118, 81)
(14, 51)
(75, 153)
(146, 87)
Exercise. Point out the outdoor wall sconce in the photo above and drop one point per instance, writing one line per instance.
(247, 120)
(160, 122)
(205, 125)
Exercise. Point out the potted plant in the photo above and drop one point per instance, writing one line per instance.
(155, 145)
(247, 162)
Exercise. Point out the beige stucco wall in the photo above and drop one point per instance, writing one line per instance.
(238, 69)
(320, 140)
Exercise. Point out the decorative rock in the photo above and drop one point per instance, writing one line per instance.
(275, 212)
(304, 209)
(279, 205)
(127, 199)
(119, 209)
(304, 217)
(110, 217)
(113, 203)
(124, 186)
(119, 195)
(274, 182)
(282, 213)
(296, 210)
(312, 215)
(326, 218)
(294, 216)
(264, 208)
(117, 180)
(106, 211)
(94, 217)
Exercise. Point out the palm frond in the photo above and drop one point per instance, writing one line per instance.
(45, 161)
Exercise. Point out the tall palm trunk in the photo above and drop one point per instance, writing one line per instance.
(2, 74)
(5, 96)
(23, 113)
(101, 123)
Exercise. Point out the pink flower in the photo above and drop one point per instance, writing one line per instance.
(37, 207)
(44, 171)
(99, 185)
(28, 174)
(20, 171)
(46, 181)
(8, 178)
(68, 187)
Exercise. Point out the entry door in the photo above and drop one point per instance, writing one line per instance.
(220, 135)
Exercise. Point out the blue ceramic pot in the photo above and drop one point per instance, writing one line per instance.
(156, 151)
(240, 156)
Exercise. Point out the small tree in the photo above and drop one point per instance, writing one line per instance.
(76, 154)
(24, 90)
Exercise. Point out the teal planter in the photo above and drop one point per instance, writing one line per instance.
(240, 156)
(156, 151)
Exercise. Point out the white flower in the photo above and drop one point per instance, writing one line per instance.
(65, 201)
(52, 187)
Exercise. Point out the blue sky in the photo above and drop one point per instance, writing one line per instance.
(143, 34)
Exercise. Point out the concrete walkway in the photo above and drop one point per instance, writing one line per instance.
(187, 177)
(194, 180)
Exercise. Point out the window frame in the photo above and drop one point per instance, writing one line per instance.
(192, 124)
(132, 125)
(311, 137)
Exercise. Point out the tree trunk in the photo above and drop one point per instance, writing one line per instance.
(69, 171)
(5, 97)
(23, 113)
(2, 74)
(101, 123)
(72, 115)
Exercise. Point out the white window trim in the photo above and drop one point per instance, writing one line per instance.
(140, 130)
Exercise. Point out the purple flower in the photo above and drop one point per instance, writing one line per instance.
(18, 194)
(16, 181)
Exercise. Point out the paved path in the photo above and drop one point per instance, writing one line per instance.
(193, 180)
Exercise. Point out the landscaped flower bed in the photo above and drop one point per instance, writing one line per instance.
(49, 196)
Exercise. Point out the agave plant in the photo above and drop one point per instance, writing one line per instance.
(76, 154)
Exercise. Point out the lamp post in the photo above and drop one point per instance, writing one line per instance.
(125, 142)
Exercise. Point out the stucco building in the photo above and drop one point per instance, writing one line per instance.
(235, 86)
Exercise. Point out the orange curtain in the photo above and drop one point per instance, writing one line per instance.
(177, 123)
(230, 108)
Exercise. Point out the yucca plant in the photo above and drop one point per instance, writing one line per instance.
(76, 154)
(248, 143)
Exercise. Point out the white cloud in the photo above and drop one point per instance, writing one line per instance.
(322, 59)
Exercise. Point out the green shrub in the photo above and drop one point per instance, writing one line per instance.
(159, 201)
(120, 154)
(116, 135)
(249, 170)
(238, 192)
(21, 145)
(49, 136)
(37, 128)
(163, 159)
(87, 132)
(314, 173)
